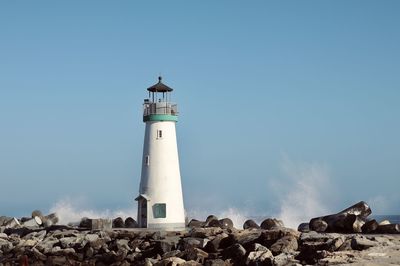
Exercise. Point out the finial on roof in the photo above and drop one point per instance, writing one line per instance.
(159, 78)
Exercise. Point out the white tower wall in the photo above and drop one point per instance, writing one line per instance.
(161, 179)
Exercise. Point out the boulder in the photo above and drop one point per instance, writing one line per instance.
(190, 242)
(214, 244)
(259, 258)
(285, 244)
(131, 223)
(370, 226)
(388, 229)
(269, 237)
(320, 241)
(212, 221)
(271, 223)
(226, 223)
(205, 232)
(318, 225)
(195, 254)
(172, 261)
(235, 251)
(244, 238)
(347, 221)
(361, 243)
(248, 224)
(304, 227)
(195, 223)
(36, 213)
(50, 219)
(118, 223)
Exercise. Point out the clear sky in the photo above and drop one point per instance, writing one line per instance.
(282, 103)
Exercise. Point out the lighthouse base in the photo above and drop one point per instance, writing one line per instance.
(167, 226)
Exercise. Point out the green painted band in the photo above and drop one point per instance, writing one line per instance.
(160, 118)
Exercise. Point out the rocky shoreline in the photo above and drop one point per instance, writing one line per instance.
(212, 242)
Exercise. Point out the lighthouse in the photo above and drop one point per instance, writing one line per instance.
(160, 200)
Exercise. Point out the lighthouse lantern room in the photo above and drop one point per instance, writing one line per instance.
(160, 200)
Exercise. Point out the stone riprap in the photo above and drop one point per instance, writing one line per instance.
(211, 242)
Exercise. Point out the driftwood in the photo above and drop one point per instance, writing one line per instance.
(347, 221)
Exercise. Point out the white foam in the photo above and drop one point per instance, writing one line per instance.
(70, 211)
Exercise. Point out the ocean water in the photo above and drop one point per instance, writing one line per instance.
(394, 219)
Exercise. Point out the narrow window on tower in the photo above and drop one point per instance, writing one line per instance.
(147, 160)
(159, 134)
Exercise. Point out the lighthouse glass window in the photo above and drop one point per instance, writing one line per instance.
(160, 210)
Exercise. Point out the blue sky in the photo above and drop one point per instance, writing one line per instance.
(260, 85)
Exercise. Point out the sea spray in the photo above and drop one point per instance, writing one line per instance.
(304, 193)
(70, 211)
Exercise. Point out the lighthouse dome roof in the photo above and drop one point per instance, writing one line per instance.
(159, 87)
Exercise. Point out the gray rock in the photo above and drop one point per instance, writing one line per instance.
(12, 223)
(257, 247)
(226, 223)
(269, 237)
(36, 213)
(50, 219)
(388, 229)
(67, 242)
(271, 223)
(118, 223)
(39, 235)
(284, 259)
(285, 244)
(236, 252)
(318, 225)
(173, 261)
(214, 244)
(244, 237)
(47, 245)
(131, 223)
(205, 232)
(195, 254)
(195, 223)
(190, 242)
(38, 255)
(216, 262)
(5, 245)
(259, 258)
(304, 227)
(123, 244)
(172, 253)
(248, 224)
(361, 243)
(370, 226)
(164, 246)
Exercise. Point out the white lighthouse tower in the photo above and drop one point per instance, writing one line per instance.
(160, 200)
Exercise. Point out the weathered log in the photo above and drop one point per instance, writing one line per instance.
(347, 221)
(370, 226)
(318, 225)
(360, 209)
(388, 229)
(304, 227)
